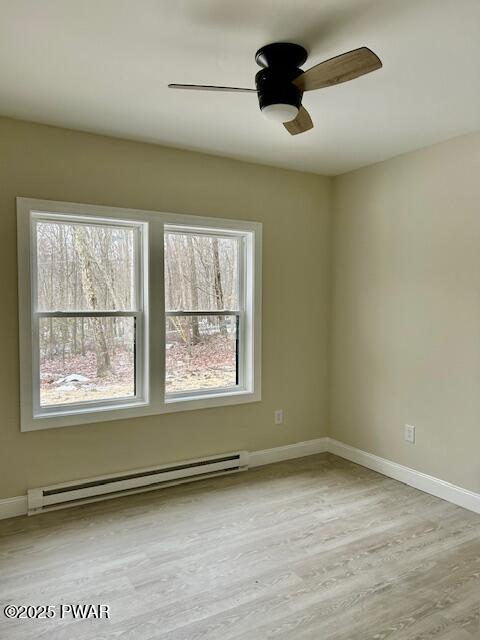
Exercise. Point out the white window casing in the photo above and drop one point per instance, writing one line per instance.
(149, 314)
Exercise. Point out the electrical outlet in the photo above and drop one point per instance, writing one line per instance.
(278, 416)
(410, 433)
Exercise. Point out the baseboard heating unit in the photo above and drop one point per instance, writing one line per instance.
(69, 494)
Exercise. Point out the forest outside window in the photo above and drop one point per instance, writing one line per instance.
(126, 313)
(204, 312)
(88, 313)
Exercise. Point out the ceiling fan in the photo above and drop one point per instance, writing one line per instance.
(281, 83)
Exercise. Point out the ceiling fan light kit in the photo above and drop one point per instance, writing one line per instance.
(280, 112)
(281, 83)
(278, 97)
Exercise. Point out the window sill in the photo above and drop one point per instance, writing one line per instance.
(135, 410)
(210, 400)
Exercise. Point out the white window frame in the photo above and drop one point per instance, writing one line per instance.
(150, 314)
(244, 365)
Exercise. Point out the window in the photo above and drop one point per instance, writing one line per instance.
(204, 312)
(126, 313)
(88, 312)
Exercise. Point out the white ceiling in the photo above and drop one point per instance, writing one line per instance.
(103, 66)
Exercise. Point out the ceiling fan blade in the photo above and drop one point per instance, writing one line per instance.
(207, 87)
(346, 66)
(302, 122)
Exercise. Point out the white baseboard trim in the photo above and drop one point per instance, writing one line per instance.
(428, 484)
(11, 507)
(288, 452)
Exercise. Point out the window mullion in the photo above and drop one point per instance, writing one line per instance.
(156, 315)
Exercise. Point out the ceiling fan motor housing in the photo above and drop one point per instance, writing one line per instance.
(280, 62)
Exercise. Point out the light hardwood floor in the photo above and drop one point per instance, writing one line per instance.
(316, 548)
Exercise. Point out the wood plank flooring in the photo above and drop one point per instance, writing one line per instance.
(316, 548)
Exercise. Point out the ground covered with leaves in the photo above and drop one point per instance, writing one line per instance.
(209, 364)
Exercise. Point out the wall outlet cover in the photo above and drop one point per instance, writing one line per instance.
(410, 433)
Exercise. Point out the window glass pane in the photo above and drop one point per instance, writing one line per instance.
(85, 359)
(201, 272)
(82, 267)
(201, 353)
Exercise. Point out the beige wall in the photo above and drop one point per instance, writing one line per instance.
(46, 162)
(406, 310)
